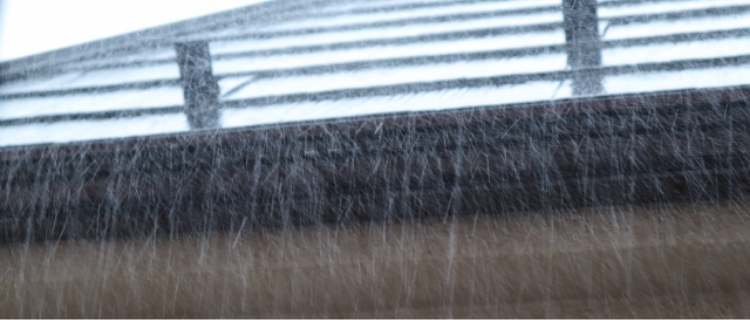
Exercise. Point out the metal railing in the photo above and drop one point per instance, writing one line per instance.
(583, 48)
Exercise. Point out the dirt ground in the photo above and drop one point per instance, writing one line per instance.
(661, 261)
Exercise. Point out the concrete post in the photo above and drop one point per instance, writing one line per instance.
(199, 86)
(583, 45)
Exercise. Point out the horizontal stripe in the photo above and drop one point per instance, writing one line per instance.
(425, 73)
(711, 23)
(407, 49)
(91, 102)
(84, 130)
(353, 107)
(460, 9)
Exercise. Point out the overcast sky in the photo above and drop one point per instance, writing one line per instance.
(33, 26)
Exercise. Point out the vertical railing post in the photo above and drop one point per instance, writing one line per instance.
(583, 45)
(200, 89)
(2, 20)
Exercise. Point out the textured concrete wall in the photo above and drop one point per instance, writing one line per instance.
(688, 261)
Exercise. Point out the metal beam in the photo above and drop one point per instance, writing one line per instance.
(583, 45)
(199, 86)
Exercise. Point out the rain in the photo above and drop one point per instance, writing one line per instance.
(384, 159)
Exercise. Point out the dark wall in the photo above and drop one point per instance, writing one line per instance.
(674, 147)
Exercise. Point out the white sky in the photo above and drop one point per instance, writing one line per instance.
(32, 26)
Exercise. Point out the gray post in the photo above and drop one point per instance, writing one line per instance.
(583, 45)
(2, 21)
(200, 89)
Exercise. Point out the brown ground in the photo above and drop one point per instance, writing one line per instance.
(601, 262)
